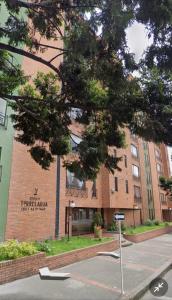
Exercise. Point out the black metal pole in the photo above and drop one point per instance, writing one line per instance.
(134, 218)
(57, 198)
(68, 220)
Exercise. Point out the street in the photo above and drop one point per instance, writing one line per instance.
(98, 278)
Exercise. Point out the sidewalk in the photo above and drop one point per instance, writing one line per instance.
(97, 278)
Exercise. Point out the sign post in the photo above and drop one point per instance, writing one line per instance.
(120, 217)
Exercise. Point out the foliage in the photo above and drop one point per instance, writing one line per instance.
(123, 227)
(97, 219)
(43, 246)
(13, 249)
(93, 80)
(144, 228)
(156, 222)
(166, 184)
(149, 222)
(112, 227)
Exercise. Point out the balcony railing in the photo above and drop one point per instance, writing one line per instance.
(137, 178)
(137, 199)
(76, 192)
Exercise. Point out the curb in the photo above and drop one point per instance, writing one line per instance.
(138, 292)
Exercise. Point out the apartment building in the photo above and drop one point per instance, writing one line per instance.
(36, 204)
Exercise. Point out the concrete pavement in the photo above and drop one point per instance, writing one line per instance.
(97, 278)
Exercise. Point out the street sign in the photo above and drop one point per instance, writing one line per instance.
(119, 217)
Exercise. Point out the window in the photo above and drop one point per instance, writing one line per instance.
(135, 171)
(94, 190)
(134, 136)
(145, 145)
(73, 182)
(75, 113)
(162, 198)
(157, 154)
(134, 151)
(116, 184)
(126, 186)
(74, 141)
(125, 161)
(148, 177)
(137, 193)
(159, 168)
(150, 197)
(3, 106)
(146, 159)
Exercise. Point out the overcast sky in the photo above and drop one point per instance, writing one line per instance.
(137, 39)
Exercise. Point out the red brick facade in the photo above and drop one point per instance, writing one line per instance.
(32, 195)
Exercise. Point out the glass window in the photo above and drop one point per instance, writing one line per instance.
(137, 192)
(94, 190)
(135, 171)
(73, 182)
(126, 186)
(3, 105)
(157, 154)
(75, 141)
(116, 184)
(75, 113)
(159, 168)
(125, 160)
(134, 150)
(162, 198)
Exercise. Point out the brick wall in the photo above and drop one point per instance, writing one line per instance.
(27, 266)
(137, 238)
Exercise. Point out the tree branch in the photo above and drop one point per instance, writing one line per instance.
(66, 105)
(31, 56)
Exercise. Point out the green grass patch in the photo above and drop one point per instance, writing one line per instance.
(54, 247)
(144, 228)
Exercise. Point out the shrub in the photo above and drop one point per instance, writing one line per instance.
(13, 249)
(166, 224)
(43, 246)
(156, 222)
(123, 226)
(149, 223)
(112, 227)
(97, 219)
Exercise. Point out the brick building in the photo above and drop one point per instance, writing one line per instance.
(38, 202)
(34, 204)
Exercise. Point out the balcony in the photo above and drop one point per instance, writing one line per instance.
(136, 178)
(73, 191)
(137, 199)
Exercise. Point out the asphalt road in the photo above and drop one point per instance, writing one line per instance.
(98, 278)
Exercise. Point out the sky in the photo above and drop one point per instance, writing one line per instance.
(137, 39)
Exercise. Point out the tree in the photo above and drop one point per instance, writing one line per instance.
(166, 185)
(94, 80)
